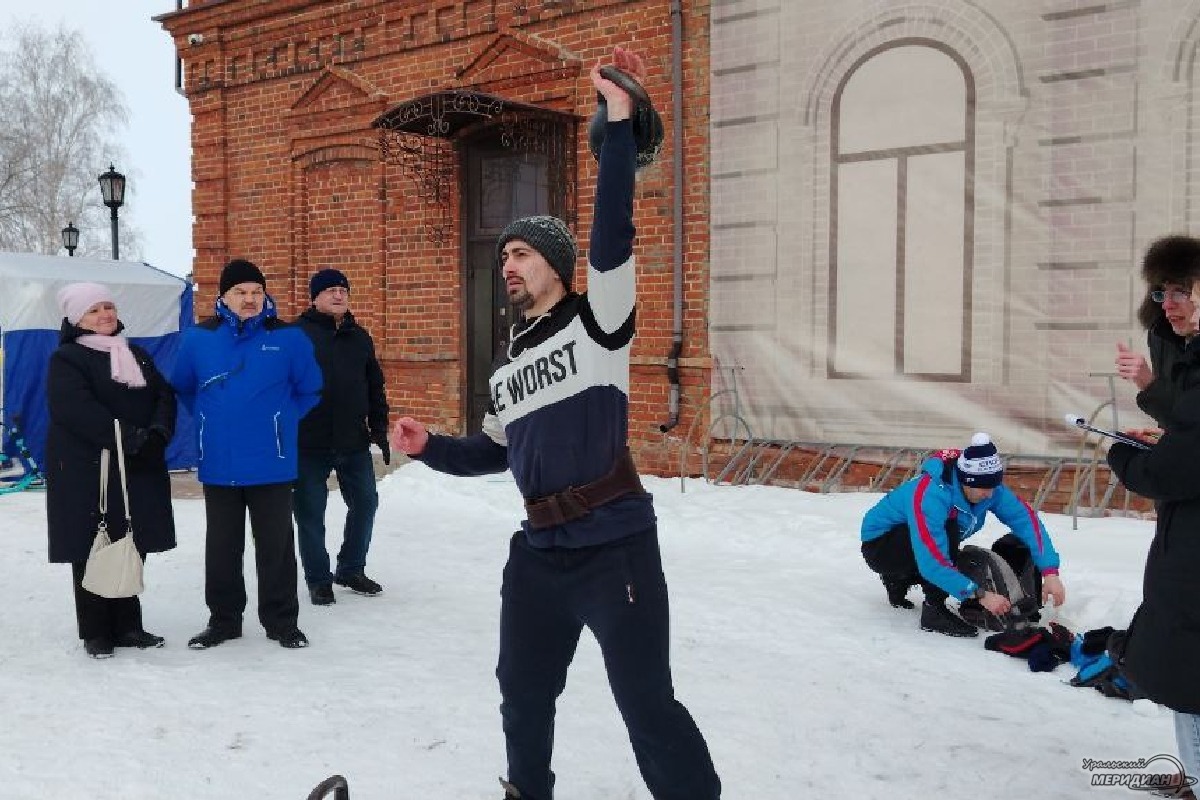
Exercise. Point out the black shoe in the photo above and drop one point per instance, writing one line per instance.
(139, 639)
(211, 637)
(99, 647)
(935, 617)
(359, 583)
(510, 791)
(322, 594)
(292, 640)
(896, 590)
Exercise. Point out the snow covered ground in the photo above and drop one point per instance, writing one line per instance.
(805, 683)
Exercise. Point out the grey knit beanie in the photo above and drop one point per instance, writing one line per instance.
(550, 236)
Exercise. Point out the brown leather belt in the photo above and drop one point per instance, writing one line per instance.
(578, 501)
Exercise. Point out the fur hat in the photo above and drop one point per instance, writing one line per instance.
(1171, 259)
(76, 298)
(550, 236)
(325, 279)
(240, 271)
(979, 466)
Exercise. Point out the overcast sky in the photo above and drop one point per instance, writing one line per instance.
(137, 55)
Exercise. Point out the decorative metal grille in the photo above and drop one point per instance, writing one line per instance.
(419, 137)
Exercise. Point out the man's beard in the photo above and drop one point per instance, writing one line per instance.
(523, 300)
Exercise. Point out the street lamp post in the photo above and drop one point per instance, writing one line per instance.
(70, 237)
(112, 187)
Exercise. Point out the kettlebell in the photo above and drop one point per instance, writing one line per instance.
(647, 124)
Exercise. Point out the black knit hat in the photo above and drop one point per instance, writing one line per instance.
(980, 466)
(550, 236)
(325, 279)
(240, 271)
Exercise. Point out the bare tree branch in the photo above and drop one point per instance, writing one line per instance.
(58, 132)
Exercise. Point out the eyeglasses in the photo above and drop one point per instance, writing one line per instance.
(1175, 295)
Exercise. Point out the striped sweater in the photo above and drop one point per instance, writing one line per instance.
(559, 412)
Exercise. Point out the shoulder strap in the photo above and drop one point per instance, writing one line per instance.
(121, 469)
(948, 469)
(104, 456)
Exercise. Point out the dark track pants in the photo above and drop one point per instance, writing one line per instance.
(270, 507)
(102, 617)
(618, 591)
(891, 556)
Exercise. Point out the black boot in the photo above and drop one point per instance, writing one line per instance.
(897, 589)
(99, 647)
(359, 584)
(292, 639)
(510, 791)
(213, 636)
(935, 617)
(139, 639)
(322, 594)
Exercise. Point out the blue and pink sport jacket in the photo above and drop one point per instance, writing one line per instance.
(925, 503)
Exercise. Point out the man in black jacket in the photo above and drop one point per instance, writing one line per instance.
(336, 437)
(1167, 313)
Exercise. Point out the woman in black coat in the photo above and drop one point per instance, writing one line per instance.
(1160, 652)
(95, 376)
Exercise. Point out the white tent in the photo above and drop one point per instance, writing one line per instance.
(154, 306)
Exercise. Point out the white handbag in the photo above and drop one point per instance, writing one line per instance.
(114, 569)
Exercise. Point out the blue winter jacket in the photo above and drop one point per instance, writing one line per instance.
(925, 503)
(248, 384)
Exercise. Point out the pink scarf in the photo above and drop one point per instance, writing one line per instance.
(125, 368)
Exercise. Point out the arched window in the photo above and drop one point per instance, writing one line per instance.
(902, 206)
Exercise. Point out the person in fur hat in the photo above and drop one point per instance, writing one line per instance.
(1167, 312)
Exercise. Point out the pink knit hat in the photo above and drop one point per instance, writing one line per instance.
(76, 298)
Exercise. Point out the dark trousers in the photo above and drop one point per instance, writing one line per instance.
(270, 507)
(356, 481)
(618, 591)
(102, 617)
(892, 557)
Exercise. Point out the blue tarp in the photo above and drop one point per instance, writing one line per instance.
(154, 306)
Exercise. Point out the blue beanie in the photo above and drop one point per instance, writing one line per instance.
(324, 279)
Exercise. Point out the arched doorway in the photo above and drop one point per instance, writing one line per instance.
(501, 160)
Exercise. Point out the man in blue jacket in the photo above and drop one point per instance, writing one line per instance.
(912, 535)
(587, 554)
(247, 378)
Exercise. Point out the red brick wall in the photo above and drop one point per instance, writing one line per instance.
(288, 174)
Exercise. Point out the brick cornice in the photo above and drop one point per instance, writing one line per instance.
(538, 50)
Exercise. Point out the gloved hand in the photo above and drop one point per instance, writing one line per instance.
(147, 443)
(381, 442)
